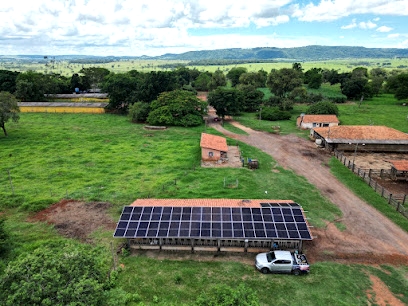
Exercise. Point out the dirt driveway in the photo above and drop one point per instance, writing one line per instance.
(369, 236)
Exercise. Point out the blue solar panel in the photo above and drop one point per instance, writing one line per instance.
(270, 221)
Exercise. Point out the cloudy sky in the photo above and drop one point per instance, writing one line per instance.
(156, 27)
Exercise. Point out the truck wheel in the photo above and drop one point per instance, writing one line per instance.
(265, 270)
(296, 272)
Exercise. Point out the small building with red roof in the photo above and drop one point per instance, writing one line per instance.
(399, 169)
(313, 121)
(213, 148)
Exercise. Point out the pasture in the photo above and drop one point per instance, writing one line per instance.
(106, 158)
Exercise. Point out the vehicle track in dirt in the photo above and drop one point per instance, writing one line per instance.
(369, 236)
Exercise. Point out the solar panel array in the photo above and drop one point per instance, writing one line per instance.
(270, 221)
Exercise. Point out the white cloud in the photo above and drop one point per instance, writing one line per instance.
(384, 29)
(352, 25)
(396, 35)
(328, 10)
(367, 25)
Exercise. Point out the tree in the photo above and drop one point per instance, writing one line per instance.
(313, 78)
(323, 108)
(226, 101)
(95, 75)
(8, 109)
(202, 81)
(30, 86)
(55, 274)
(252, 97)
(4, 236)
(8, 80)
(234, 74)
(256, 79)
(398, 84)
(283, 81)
(275, 114)
(178, 108)
(217, 79)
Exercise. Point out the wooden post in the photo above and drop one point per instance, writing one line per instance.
(369, 174)
(389, 199)
(381, 173)
(375, 186)
(382, 192)
(398, 205)
(403, 200)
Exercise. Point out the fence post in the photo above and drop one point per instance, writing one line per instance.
(398, 205)
(369, 173)
(382, 192)
(381, 173)
(389, 199)
(403, 200)
(375, 186)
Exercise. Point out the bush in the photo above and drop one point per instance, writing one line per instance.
(323, 108)
(342, 99)
(3, 237)
(139, 111)
(274, 114)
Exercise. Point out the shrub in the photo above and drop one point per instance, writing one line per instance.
(274, 114)
(139, 111)
(323, 108)
(342, 99)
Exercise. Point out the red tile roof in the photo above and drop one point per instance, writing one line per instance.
(213, 142)
(361, 132)
(400, 165)
(205, 202)
(320, 118)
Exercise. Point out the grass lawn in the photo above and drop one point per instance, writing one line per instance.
(47, 157)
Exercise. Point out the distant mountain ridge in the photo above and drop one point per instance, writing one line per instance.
(308, 53)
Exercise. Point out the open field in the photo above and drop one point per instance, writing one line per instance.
(67, 69)
(106, 158)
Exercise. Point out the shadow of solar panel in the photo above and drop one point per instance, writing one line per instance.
(119, 232)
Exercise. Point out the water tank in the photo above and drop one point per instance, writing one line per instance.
(319, 142)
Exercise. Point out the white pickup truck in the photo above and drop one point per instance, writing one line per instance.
(282, 262)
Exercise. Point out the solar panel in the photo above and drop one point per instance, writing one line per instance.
(270, 221)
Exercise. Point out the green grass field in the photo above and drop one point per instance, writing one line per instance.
(47, 157)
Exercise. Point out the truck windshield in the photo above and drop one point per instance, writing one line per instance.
(270, 256)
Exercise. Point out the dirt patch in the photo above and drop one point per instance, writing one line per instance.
(380, 294)
(75, 219)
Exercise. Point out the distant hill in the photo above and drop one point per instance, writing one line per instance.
(308, 53)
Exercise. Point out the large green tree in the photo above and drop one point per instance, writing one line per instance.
(226, 101)
(55, 274)
(95, 75)
(252, 97)
(217, 79)
(8, 80)
(178, 108)
(313, 78)
(234, 74)
(30, 86)
(8, 109)
(281, 82)
(398, 84)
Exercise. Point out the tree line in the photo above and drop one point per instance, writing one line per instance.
(169, 97)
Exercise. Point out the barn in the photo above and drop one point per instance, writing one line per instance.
(313, 121)
(213, 225)
(213, 148)
(362, 138)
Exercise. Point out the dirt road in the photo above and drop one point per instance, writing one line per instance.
(369, 236)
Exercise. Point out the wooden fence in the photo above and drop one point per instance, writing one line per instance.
(399, 201)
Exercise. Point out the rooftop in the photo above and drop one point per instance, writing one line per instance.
(320, 118)
(205, 202)
(213, 142)
(400, 165)
(361, 133)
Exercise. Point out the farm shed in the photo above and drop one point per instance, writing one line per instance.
(62, 107)
(312, 121)
(213, 148)
(399, 169)
(213, 224)
(362, 138)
